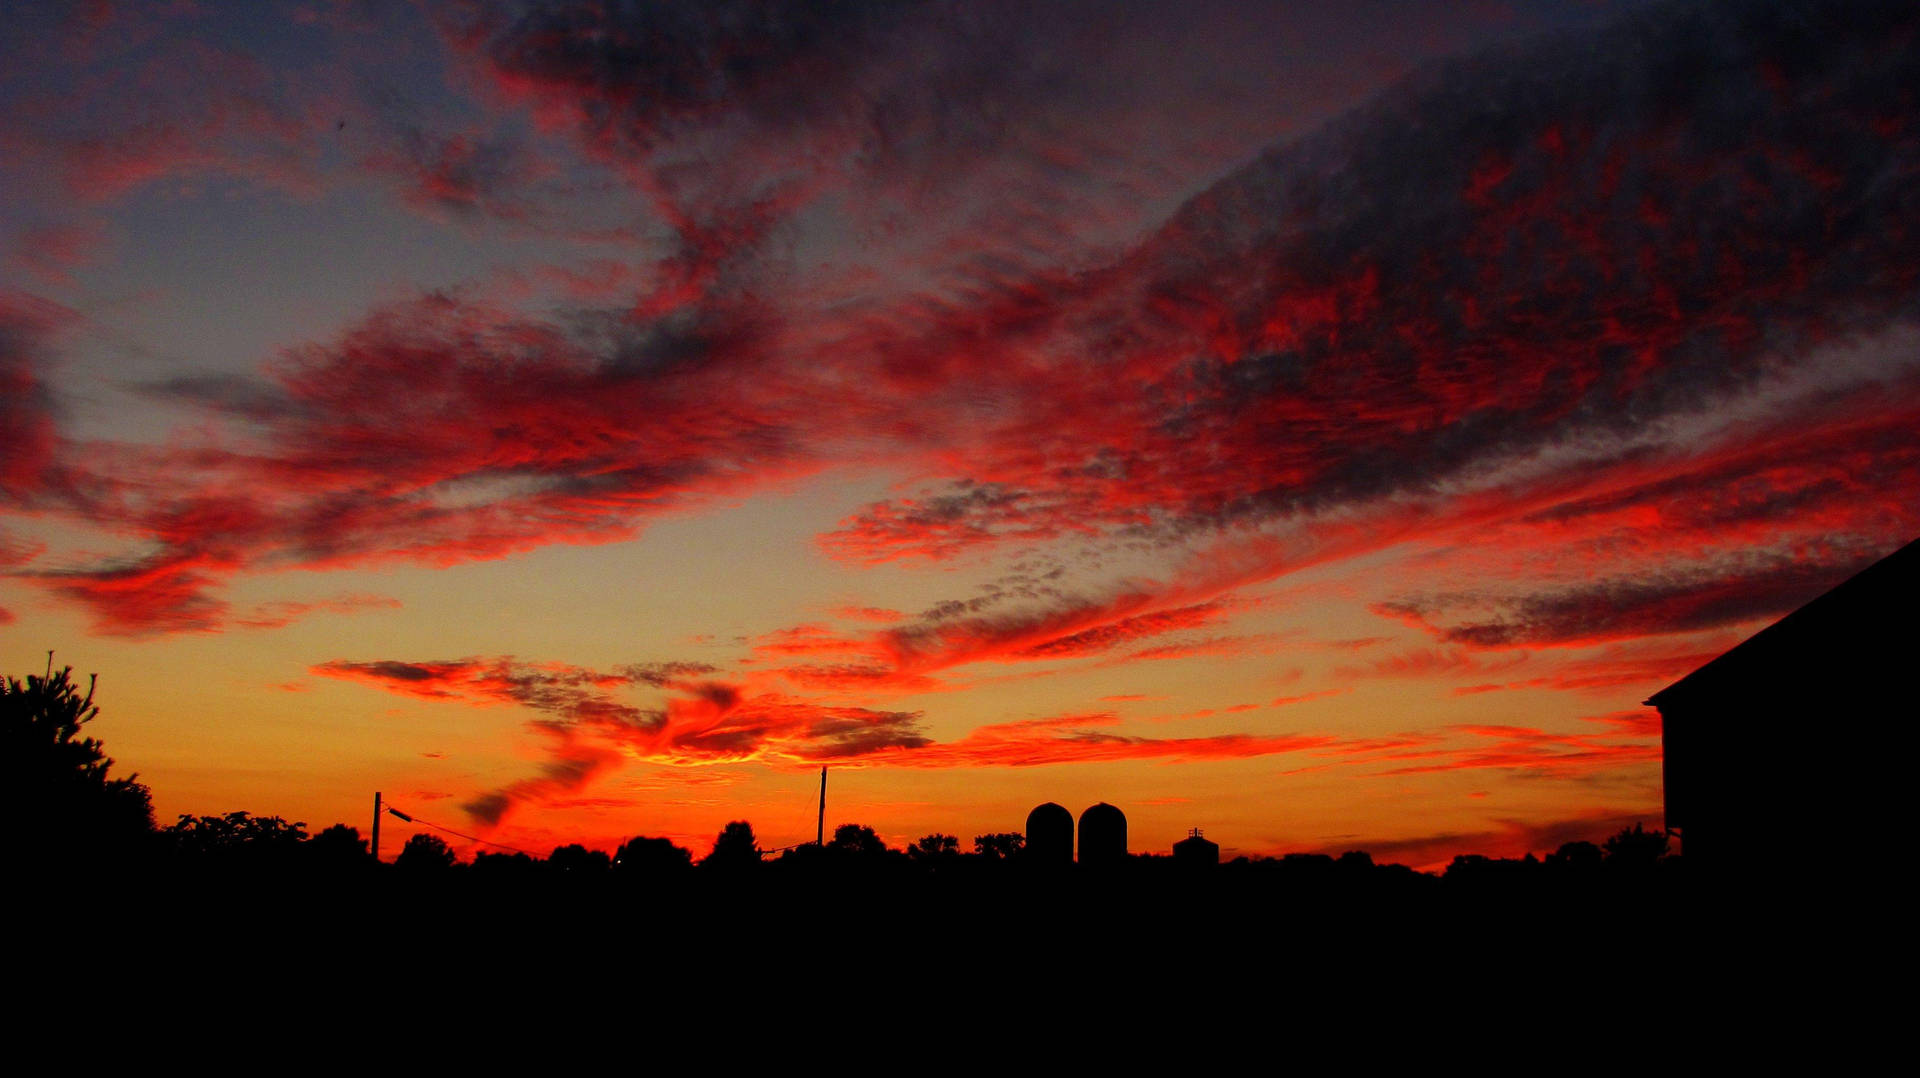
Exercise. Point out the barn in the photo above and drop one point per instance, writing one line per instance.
(1788, 745)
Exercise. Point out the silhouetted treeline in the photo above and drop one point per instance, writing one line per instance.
(206, 907)
(268, 848)
(70, 817)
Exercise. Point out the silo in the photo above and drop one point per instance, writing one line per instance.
(1050, 835)
(1103, 836)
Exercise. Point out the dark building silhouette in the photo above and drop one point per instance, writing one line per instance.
(1196, 849)
(1103, 836)
(1778, 750)
(1050, 835)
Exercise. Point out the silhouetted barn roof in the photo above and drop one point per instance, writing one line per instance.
(1849, 639)
(1784, 743)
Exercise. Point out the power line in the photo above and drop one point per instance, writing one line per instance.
(451, 831)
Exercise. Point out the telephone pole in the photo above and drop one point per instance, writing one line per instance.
(820, 822)
(376, 826)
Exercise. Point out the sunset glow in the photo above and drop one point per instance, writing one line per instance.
(585, 419)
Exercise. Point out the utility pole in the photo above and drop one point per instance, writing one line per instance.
(820, 823)
(376, 826)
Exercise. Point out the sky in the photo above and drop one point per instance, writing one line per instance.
(1318, 425)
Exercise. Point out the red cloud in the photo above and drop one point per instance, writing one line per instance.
(1636, 722)
(1288, 701)
(1433, 662)
(704, 722)
(1073, 739)
(1211, 646)
(53, 252)
(1648, 663)
(1535, 751)
(143, 599)
(708, 722)
(1040, 624)
(882, 615)
(567, 692)
(281, 613)
(27, 432)
(142, 102)
(464, 173)
(1303, 363)
(570, 766)
(942, 526)
(811, 639)
(1106, 637)
(1742, 533)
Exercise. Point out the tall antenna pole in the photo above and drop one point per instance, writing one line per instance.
(376, 826)
(820, 823)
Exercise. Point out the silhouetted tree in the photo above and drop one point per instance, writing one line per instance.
(577, 860)
(1575, 856)
(857, 840)
(734, 847)
(424, 853)
(1482, 871)
(60, 801)
(805, 858)
(1000, 846)
(236, 840)
(1633, 848)
(338, 846)
(493, 865)
(929, 849)
(645, 856)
